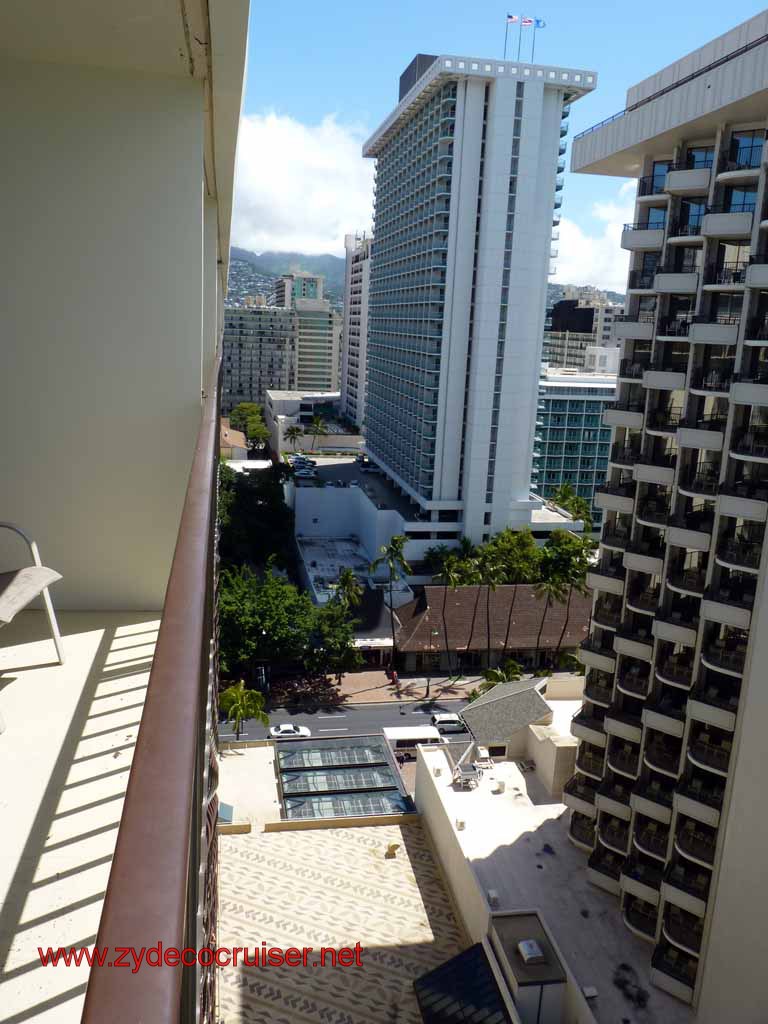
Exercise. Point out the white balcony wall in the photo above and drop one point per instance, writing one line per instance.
(102, 318)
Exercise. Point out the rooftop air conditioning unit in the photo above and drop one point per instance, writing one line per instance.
(531, 952)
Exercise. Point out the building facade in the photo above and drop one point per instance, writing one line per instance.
(467, 179)
(567, 348)
(318, 345)
(260, 346)
(572, 444)
(668, 794)
(354, 337)
(298, 285)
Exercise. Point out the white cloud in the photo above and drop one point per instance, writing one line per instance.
(300, 187)
(597, 258)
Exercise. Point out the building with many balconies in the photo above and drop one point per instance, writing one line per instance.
(668, 794)
(354, 336)
(468, 173)
(259, 353)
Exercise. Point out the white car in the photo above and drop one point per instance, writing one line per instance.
(289, 731)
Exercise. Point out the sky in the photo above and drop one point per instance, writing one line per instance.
(320, 80)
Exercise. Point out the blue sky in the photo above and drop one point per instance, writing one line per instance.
(319, 80)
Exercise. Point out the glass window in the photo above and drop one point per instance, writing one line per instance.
(699, 156)
(746, 148)
(656, 216)
(692, 210)
(740, 199)
(659, 173)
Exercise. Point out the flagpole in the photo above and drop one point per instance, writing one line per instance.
(533, 44)
(520, 37)
(506, 33)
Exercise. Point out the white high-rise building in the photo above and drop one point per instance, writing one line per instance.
(467, 179)
(669, 793)
(354, 339)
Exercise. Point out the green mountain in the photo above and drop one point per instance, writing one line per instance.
(274, 264)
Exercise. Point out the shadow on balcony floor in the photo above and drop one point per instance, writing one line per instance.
(69, 736)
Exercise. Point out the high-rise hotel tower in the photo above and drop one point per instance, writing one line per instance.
(468, 174)
(669, 793)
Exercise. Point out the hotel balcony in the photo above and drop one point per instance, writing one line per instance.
(674, 971)
(590, 760)
(700, 480)
(587, 724)
(696, 842)
(613, 833)
(676, 670)
(607, 575)
(730, 601)
(634, 681)
(712, 382)
(650, 838)
(667, 715)
(750, 387)
(720, 330)
(730, 276)
(669, 282)
(705, 432)
(663, 421)
(607, 612)
(665, 375)
(613, 797)
(624, 414)
(662, 753)
(633, 326)
(688, 181)
(691, 530)
(623, 758)
(750, 446)
(686, 885)
(675, 326)
(632, 369)
(745, 499)
(645, 556)
(640, 281)
(757, 277)
(618, 497)
(614, 537)
(653, 511)
(756, 332)
(579, 794)
(643, 599)
(655, 466)
(699, 795)
(710, 750)
(604, 869)
(686, 232)
(624, 724)
(740, 554)
(640, 917)
(642, 238)
(678, 621)
(725, 223)
(598, 687)
(624, 455)
(653, 798)
(682, 929)
(714, 701)
(634, 640)
(581, 831)
(641, 876)
(726, 655)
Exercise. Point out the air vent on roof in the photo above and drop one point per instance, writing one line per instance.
(531, 952)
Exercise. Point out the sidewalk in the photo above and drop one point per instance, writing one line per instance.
(373, 687)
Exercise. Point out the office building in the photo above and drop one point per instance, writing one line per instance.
(467, 178)
(572, 444)
(298, 285)
(122, 120)
(318, 345)
(668, 797)
(260, 348)
(354, 338)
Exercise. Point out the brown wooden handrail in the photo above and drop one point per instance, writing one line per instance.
(149, 883)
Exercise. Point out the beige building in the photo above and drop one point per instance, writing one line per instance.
(668, 794)
(354, 337)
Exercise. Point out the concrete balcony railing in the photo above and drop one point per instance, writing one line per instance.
(590, 763)
(640, 916)
(651, 838)
(687, 886)
(743, 554)
(663, 756)
(696, 842)
(579, 794)
(706, 753)
(675, 670)
(669, 964)
(751, 445)
(728, 657)
(642, 877)
(614, 833)
(604, 869)
(642, 237)
(683, 929)
(582, 830)
(654, 799)
(675, 326)
(714, 381)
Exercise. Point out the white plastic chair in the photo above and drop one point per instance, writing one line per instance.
(20, 587)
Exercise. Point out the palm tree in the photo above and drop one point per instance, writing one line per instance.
(472, 577)
(393, 557)
(492, 573)
(348, 589)
(450, 577)
(292, 434)
(316, 428)
(575, 577)
(239, 704)
(509, 672)
(552, 588)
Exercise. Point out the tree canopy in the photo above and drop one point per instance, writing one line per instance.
(249, 417)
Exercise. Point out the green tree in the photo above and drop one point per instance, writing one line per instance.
(570, 562)
(550, 589)
(393, 557)
(316, 428)
(509, 672)
(435, 558)
(334, 648)
(239, 704)
(579, 507)
(238, 418)
(255, 522)
(292, 435)
(226, 494)
(348, 589)
(449, 577)
(491, 574)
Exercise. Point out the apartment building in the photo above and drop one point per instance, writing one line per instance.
(299, 285)
(354, 338)
(260, 347)
(468, 188)
(122, 120)
(572, 444)
(567, 348)
(668, 795)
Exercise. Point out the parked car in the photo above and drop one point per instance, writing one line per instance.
(448, 723)
(305, 474)
(289, 731)
(370, 469)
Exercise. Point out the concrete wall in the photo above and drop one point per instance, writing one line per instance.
(102, 322)
(554, 755)
(467, 894)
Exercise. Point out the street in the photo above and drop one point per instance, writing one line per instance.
(350, 719)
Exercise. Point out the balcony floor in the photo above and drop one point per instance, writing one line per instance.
(69, 736)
